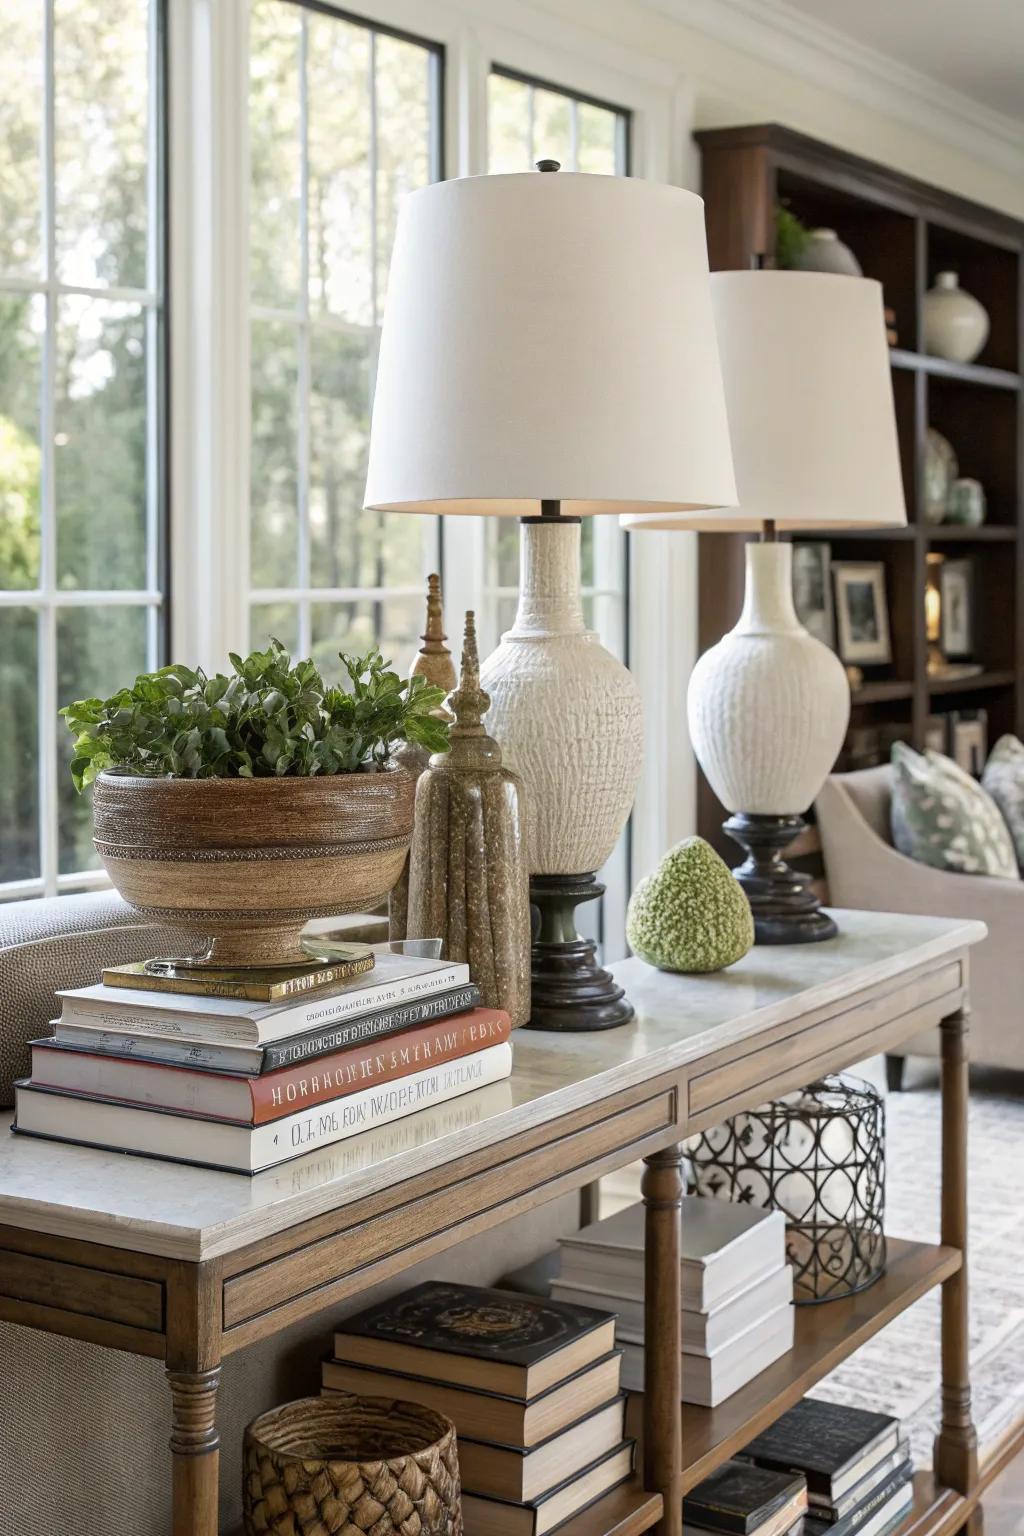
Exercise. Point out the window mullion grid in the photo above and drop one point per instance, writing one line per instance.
(155, 616)
(47, 621)
(303, 339)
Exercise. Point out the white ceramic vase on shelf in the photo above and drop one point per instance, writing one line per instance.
(825, 252)
(955, 322)
(565, 711)
(768, 705)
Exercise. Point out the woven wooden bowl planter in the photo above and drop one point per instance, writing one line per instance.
(351, 1466)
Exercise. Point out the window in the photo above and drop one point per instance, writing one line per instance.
(81, 401)
(344, 118)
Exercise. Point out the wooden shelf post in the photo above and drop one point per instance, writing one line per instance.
(956, 1445)
(662, 1190)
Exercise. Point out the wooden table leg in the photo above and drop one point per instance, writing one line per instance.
(956, 1445)
(662, 1189)
(193, 1371)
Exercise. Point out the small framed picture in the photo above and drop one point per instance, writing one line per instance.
(956, 590)
(969, 741)
(862, 616)
(812, 591)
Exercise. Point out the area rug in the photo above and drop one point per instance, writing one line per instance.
(898, 1371)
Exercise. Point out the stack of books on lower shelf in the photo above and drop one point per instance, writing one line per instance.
(532, 1387)
(736, 1287)
(741, 1499)
(246, 1072)
(856, 1463)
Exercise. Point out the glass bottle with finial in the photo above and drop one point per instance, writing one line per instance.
(468, 879)
(433, 661)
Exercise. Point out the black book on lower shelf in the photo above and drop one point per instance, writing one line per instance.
(832, 1445)
(880, 1520)
(742, 1499)
(887, 1494)
(485, 1516)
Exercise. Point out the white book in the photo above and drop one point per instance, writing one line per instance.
(182, 1015)
(725, 1248)
(703, 1332)
(709, 1379)
(249, 1149)
(890, 1514)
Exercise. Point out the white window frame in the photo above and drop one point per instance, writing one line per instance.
(209, 312)
(48, 599)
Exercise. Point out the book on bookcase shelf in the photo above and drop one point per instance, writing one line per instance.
(238, 1148)
(521, 1475)
(856, 1462)
(742, 1499)
(725, 1248)
(251, 1100)
(486, 1516)
(708, 1380)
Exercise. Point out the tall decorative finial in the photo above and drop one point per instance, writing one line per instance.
(469, 701)
(433, 659)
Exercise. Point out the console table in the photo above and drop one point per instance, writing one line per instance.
(188, 1265)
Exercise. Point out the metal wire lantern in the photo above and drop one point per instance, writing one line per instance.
(818, 1156)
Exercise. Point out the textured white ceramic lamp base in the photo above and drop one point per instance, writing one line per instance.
(768, 708)
(570, 722)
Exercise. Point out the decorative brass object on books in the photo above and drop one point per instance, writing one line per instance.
(273, 984)
(433, 661)
(818, 1155)
(250, 861)
(351, 1464)
(467, 871)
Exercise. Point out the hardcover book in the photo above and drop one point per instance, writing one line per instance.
(867, 1508)
(521, 1476)
(273, 985)
(898, 1463)
(474, 1336)
(832, 1445)
(394, 979)
(880, 1522)
(254, 1060)
(743, 1499)
(259, 1100)
(709, 1379)
(489, 1415)
(241, 1148)
(725, 1248)
(495, 1517)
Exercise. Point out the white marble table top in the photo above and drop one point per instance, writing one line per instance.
(193, 1213)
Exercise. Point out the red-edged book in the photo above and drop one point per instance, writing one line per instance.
(260, 1100)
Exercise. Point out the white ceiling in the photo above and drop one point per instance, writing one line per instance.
(975, 47)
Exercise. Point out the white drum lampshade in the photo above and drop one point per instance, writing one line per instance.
(809, 395)
(548, 352)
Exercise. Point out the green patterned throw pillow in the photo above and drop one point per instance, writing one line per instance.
(1004, 780)
(943, 817)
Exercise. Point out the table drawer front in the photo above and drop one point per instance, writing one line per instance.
(892, 1018)
(462, 1201)
(87, 1292)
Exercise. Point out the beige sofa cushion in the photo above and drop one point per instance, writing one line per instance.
(63, 942)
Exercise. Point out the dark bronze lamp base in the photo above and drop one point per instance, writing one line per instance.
(785, 909)
(568, 989)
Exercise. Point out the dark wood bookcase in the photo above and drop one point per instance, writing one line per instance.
(903, 232)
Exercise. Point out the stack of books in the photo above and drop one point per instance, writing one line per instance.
(857, 1465)
(741, 1499)
(246, 1073)
(736, 1287)
(532, 1387)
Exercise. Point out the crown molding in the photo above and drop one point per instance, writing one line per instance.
(778, 34)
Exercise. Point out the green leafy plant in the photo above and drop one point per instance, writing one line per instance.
(267, 720)
(791, 237)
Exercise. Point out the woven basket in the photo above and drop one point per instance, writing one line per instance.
(346, 1466)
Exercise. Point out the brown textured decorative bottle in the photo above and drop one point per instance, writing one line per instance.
(433, 661)
(468, 879)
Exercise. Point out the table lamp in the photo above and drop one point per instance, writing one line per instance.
(809, 395)
(548, 353)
